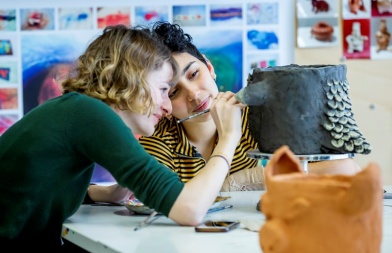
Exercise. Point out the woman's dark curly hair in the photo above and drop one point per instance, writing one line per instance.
(176, 40)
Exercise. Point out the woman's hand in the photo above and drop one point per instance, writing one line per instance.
(190, 208)
(111, 194)
(226, 112)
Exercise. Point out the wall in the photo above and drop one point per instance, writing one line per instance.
(370, 92)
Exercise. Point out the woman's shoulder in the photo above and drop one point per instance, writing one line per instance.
(165, 130)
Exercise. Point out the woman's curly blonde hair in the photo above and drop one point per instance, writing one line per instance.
(115, 66)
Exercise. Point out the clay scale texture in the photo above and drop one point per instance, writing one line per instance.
(306, 107)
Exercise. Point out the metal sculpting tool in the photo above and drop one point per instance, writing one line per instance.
(194, 115)
(147, 221)
(213, 210)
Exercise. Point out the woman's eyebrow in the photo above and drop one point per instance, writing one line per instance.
(187, 67)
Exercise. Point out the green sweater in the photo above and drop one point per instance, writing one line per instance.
(47, 160)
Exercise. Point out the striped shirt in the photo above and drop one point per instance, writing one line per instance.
(170, 146)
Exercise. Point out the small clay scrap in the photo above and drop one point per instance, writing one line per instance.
(307, 108)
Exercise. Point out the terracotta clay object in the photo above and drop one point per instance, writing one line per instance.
(307, 108)
(384, 6)
(355, 40)
(319, 6)
(320, 213)
(356, 5)
(383, 36)
(322, 31)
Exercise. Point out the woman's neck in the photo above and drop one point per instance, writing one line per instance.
(203, 136)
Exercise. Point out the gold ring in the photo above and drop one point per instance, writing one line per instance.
(217, 98)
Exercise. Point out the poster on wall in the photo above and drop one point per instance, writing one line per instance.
(40, 43)
(317, 23)
(366, 29)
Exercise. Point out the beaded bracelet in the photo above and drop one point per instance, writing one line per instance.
(222, 155)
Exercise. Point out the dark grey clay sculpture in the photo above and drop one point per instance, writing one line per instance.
(304, 107)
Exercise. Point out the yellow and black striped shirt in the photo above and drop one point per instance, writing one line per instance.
(170, 146)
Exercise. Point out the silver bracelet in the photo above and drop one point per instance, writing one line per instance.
(221, 155)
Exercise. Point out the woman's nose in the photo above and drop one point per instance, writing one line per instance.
(166, 105)
(193, 94)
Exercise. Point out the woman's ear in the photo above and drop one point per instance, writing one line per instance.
(210, 68)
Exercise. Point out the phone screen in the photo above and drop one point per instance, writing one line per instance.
(217, 226)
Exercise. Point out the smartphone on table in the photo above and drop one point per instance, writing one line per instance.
(217, 226)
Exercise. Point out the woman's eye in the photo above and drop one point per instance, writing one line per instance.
(173, 93)
(194, 74)
(164, 90)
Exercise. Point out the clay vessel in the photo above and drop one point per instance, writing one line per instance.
(305, 107)
(322, 31)
(320, 213)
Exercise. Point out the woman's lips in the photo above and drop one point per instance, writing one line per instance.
(157, 118)
(203, 106)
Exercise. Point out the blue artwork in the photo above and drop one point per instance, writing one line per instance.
(192, 15)
(224, 49)
(41, 56)
(263, 39)
(8, 20)
(37, 19)
(44, 58)
(75, 18)
(150, 14)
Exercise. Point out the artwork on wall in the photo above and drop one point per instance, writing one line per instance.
(262, 13)
(40, 43)
(75, 18)
(366, 29)
(8, 19)
(152, 13)
(108, 15)
(37, 19)
(226, 14)
(45, 60)
(224, 49)
(318, 23)
(190, 15)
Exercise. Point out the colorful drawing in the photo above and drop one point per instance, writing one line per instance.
(258, 39)
(150, 14)
(46, 59)
(8, 20)
(190, 15)
(8, 98)
(262, 13)
(113, 16)
(261, 61)
(226, 15)
(6, 121)
(5, 47)
(8, 73)
(37, 19)
(224, 49)
(75, 18)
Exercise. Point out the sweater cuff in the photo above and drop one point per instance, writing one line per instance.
(87, 199)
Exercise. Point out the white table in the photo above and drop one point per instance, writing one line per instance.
(303, 159)
(111, 229)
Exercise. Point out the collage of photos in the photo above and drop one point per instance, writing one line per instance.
(364, 32)
(317, 23)
(38, 46)
(366, 29)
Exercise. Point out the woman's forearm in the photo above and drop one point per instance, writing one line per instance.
(201, 191)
